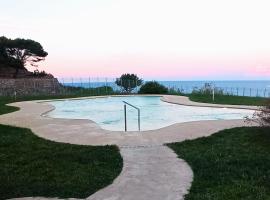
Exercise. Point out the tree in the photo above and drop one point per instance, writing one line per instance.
(19, 53)
(153, 87)
(128, 82)
(4, 58)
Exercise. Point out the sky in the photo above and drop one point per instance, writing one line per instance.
(155, 39)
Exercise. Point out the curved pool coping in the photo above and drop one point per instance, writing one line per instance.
(31, 115)
(172, 99)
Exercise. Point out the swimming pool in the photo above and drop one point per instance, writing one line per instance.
(109, 112)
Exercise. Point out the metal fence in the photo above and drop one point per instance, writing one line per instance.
(98, 82)
(174, 86)
(107, 86)
(234, 91)
(177, 86)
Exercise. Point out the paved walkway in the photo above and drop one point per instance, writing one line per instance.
(149, 173)
(151, 170)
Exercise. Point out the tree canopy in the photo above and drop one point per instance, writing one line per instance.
(19, 53)
(128, 82)
(153, 87)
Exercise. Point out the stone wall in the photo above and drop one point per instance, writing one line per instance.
(29, 86)
(9, 72)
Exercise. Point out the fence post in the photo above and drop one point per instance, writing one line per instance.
(137, 86)
(213, 94)
(97, 86)
(53, 82)
(129, 88)
(89, 86)
(63, 83)
(81, 86)
(106, 86)
(71, 88)
(121, 85)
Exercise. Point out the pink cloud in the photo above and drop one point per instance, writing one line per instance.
(156, 67)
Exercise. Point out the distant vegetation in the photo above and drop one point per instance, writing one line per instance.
(153, 87)
(19, 53)
(81, 91)
(205, 95)
(227, 99)
(207, 89)
(128, 82)
(40, 74)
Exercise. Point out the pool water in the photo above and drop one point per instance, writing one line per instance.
(109, 112)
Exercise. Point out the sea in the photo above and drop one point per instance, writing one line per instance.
(252, 88)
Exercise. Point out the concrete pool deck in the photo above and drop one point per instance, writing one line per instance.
(151, 170)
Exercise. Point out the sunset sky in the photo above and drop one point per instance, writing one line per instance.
(156, 39)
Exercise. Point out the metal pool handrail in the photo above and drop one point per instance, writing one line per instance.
(125, 113)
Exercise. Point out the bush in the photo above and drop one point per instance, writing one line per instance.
(153, 87)
(262, 116)
(173, 91)
(103, 90)
(207, 89)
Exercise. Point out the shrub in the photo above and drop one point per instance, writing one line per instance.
(153, 87)
(174, 91)
(262, 116)
(41, 74)
(207, 89)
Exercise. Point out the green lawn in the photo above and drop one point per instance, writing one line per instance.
(231, 164)
(6, 109)
(32, 166)
(228, 99)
